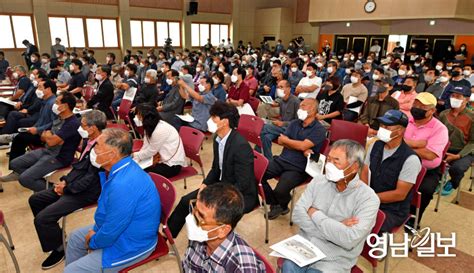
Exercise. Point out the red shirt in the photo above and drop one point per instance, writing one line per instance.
(242, 92)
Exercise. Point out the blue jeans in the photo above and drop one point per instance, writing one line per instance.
(117, 99)
(291, 267)
(78, 260)
(268, 134)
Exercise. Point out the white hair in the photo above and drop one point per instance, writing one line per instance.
(152, 72)
(354, 151)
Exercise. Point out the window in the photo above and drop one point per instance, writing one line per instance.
(14, 29)
(100, 32)
(143, 33)
(201, 32)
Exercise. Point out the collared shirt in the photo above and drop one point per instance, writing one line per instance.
(222, 142)
(405, 100)
(461, 131)
(200, 110)
(89, 145)
(341, 244)
(232, 255)
(436, 136)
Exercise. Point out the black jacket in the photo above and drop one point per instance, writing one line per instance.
(237, 168)
(103, 98)
(83, 179)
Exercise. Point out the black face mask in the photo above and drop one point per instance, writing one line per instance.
(418, 113)
(456, 73)
(406, 88)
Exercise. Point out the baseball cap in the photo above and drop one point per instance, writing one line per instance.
(394, 117)
(427, 98)
(387, 80)
(381, 89)
(463, 90)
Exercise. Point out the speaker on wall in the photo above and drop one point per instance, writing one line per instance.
(193, 8)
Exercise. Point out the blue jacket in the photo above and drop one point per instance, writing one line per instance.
(127, 216)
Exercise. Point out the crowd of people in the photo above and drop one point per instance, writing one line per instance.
(418, 113)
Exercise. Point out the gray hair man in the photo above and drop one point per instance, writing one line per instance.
(337, 211)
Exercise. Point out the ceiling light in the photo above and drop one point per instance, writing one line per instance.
(432, 22)
(348, 24)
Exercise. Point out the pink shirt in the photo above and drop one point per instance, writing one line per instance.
(436, 135)
(405, 101)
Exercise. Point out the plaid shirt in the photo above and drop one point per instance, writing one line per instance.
(232, 255)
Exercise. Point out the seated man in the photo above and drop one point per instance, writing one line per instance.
(289, 105)
(61, 144)
(309, 86)
(127, 216)
(102, 100)
(217, 210)
(303, 134)
(459, 121)
(173, 103)
(394, 167)
(378, 105)
(232, 163)
(21, 141)
(77, 81)
(79, 188)
(336, 212)
(428, 137)
(149, 92)
(22, 86)
(202, 101)
(406, 95)
(355, 94)
(130, 80)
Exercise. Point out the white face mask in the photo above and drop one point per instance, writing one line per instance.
(280, 93)
(375, 77)
(201, 88)
(384, 134)
(333, 174)
(147, 80)
(309, 73)
(98, 77)
(330, 69)
(467, 73)
(71, 67)
(354, 79)
(233, 78)
(319, 65)
(93, 159)
(150, 60)
(402, 72)
(198, 69)
(471, 98)
(15, 75)
(455, 103)
(39, 93)
(82, 132)
(348, 71)
(367, 70)
(216, 81)
(35, 83)
(439, 67)
(302, 114)
(169, 81)
(195, 232)
(221, 69)
(211, 126)
(443, 79)
(126, 73)
(56, 109)
(294, 69)
(137, 121)
(32, 77)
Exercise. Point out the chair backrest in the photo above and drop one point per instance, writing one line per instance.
(254, 102)
(167, 194)
(325, 148)
(416, 199)
(250, 128)
(375, 230)
(341, 129)
(268, 266)
(124, 109)
(192, 141)
(260, 164)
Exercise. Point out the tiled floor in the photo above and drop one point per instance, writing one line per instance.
(450, 218)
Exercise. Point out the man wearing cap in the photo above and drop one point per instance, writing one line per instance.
(378, 105)
(394, 167)
(459, 122)
(428, 137)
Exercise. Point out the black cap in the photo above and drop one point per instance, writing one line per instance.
(394, 117)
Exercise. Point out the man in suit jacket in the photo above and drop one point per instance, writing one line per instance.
(173, 103)
(79, 188)
(233, 163)
(102, 100)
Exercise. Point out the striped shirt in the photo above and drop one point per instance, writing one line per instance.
(232, 255)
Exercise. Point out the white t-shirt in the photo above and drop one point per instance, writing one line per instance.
(307, 81)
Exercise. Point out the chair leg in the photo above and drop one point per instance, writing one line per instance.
(9, 236)
(458, 194)
(292, 206)
(10, 251)
(441, 186)
(374, 269)
(178, 259)
(265, 211)
(185, 187)
(417, 216)
(63, 228)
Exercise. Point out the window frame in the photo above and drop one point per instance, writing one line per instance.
(210, 33)
(141, 20)
(33, 26)
(84, 26)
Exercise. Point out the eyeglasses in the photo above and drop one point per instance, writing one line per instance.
(199, 220)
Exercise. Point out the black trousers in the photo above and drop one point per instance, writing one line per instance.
(290, 177)
(17, 120)
(427, 189)
(21, 142)
(164, 170)
(48, 208)
(4, 110)
(391, 221)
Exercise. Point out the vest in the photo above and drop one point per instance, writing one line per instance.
(384, 176)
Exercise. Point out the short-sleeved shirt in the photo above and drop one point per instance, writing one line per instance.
(76, 81)
(360, 92)
(410, 169)
(242, 92)
(200, 111)
(436, 135)
(330, 103)
(307, 81)
(68, 133)
(64, 77)
(219, 92)
(252, 83)
(405, 101)
(314, 132)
